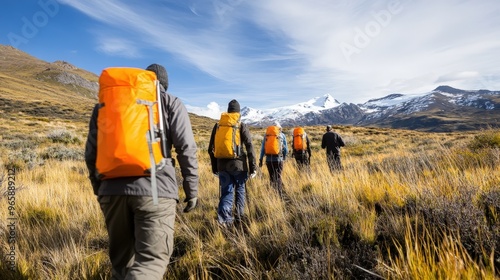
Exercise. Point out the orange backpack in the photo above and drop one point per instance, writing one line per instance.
(128, 124)
(273, 141)
(299, 139)
(227, 143)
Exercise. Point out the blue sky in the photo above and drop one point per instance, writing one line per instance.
(270, 53)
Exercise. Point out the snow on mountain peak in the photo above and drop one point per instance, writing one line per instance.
(319, 103)
(316, 105)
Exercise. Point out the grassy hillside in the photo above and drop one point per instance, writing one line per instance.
(408, 205)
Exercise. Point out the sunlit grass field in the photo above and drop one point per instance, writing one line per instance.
(407, 205)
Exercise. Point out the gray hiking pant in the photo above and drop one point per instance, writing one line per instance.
(141, 235)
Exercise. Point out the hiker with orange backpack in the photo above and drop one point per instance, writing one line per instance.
(301, 147)
(229, 163)
(128, 154)
(275, 148)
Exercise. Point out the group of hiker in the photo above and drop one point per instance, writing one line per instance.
(234, 161)
(132, 131)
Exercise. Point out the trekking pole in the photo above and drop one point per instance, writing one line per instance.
(161, 124)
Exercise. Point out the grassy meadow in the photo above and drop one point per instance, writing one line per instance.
(407, 205)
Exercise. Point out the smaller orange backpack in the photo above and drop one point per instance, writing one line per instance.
(299, 139)
(227, 143)
(273, 142)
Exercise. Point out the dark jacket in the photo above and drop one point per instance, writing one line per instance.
(179, 135)
(237, 164)
(332, 142)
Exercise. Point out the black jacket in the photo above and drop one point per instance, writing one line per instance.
(332, 142)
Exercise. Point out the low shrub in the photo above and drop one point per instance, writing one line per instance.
(63, 136)
(24, 158)
(61, 153)
(488, 139)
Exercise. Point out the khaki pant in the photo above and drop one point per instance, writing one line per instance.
(141, 235)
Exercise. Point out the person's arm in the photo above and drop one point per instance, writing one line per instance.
(246, 139)
(262, 150)
(323, 142)
(211, 144)
(285, 146)
(340, 141)
(308, 144)
(182, 139)
(91, 151)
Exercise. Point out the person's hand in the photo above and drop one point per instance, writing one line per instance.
(253, 174)
(260, 163)
(191, 204)
(216, 174)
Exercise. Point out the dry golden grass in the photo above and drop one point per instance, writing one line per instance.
(408, 205)
(394, 211)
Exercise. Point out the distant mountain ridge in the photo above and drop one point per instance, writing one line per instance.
(34, 87)
(443, 109)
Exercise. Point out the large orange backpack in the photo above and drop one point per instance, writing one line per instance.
(129, 123)
(227, 143)
(273, 142)
(299, 139)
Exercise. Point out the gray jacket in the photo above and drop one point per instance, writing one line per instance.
(179, 134)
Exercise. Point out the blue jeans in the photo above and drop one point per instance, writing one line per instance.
(232, 185)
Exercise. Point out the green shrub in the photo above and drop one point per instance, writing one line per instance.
(488, 139)
(323, 233)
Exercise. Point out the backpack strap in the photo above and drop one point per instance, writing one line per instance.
(150, 135)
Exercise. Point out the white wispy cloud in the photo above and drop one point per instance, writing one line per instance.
(273, 52)
(212, 110)
(412, 42)
(118, 47)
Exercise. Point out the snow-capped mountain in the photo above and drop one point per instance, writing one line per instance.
(318, 103)
(284, 114)
(443, 109)
(288, 115)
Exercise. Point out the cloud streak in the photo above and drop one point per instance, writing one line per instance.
(269, 53)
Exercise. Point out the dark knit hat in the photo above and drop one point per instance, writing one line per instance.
(233, 106)
(161, 74)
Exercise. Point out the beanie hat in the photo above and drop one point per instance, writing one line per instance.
(233, 106)
(161, 74)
